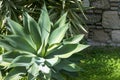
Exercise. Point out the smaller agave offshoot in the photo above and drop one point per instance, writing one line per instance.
(39, 51)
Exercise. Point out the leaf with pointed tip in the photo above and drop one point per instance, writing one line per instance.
(71, 67)
(16, 28)
(19, 43)
(58, 34)
(34, 30)
(45, 24)
(73, 40)
(67, 66)
(25, 23)
(61, 22)
(68, 49)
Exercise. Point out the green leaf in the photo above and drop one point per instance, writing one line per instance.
(34, 30)
(58, 34)
(53, 61)
(23, 61)
(57, 76)
(10, 56)
(71, 67)
(61, 22)
(33, 70)
(16, 28)
(29, 39)
(16, 73)
(45, 24)
(44, 68)
(19, 43)
(25, 23)
(6, 45)
(74, 39)
(67, 66)
(52, 48)
(68, 49)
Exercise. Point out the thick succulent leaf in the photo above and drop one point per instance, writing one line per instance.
(29, 39)
(16, 28)
(57, 76)
(73, 40)
(25, 23)
(67, 66)
(53, 61)
(58, 34)
(33, 70)
(52, 48)
(72, 67)
(15, 74)
(19, 30)
(68, 49)
(26, 31)
(45, 24)
(10, 56)
(19, 43)
(61, 22)
(46, 71)
(6, 45)
(44, 68)
(34, 30)
(21, 61)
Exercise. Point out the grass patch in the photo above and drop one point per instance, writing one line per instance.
(100, 63)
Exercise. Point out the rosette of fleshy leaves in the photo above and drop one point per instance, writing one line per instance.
(38, 50)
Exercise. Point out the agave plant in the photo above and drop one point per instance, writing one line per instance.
(39, 50)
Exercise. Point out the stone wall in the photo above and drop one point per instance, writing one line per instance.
(103, 22)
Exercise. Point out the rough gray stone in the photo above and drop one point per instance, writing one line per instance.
(98, 11)
(93, 18)
(110, 19)
(86, 3)
(115, 0)
(104, 4)
(115, 35)
(108, 30)
(100, 36)
(114, 4)
(114, 8)
(103, 22)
